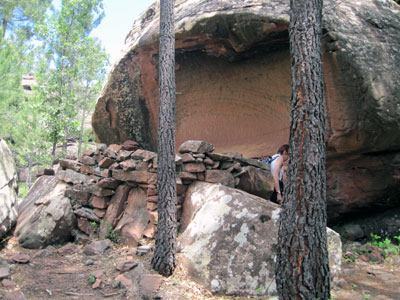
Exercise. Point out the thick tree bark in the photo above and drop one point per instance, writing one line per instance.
(164, 260)
(302, 270)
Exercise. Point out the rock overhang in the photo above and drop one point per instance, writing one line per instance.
(233, 32)
(233, 86)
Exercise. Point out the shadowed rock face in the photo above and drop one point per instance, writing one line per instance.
(233, 88)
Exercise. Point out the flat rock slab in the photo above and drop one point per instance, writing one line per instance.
(4, 272)
(150, 282)
(97, 247)
(21, 258)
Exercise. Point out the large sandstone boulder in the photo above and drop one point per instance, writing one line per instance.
(8, 187)
(229, 245)
(45, 214)
(233, 88)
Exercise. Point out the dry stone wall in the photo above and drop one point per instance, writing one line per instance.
(113, 190)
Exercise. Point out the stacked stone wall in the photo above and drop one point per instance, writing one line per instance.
(114, 188)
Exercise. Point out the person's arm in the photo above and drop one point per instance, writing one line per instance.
(278, 166)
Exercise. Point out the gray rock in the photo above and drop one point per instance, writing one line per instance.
(89, 262)
(229, 245)
(45, 214)
(352, 232)
(256, 181)
(97, 247)
(220, 176)
(143, 250)
(8, 187)
(14, 295)
(86, 213)
(71, 164)
(196, 147)
(4, 272)
(254, 162)
(144, 155)
(335, 255)
(71, 176)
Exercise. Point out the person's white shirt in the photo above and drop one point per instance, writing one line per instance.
(273, 164)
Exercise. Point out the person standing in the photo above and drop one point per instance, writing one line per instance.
(277, 170)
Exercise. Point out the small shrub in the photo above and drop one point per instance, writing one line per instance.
(386, 245)
(112, 235)
(94, 224)
(92, 279)
(258, 291)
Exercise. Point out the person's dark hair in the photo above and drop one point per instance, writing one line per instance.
(283, 148)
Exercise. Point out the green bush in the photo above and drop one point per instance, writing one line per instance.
(386, 245)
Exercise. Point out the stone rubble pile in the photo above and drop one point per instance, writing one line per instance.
(113, 190)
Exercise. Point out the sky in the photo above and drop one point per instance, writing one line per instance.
(118, 20)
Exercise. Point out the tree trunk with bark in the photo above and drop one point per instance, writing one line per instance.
(302, 270)
(164, 260)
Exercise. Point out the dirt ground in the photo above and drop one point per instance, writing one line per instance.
(68, 273)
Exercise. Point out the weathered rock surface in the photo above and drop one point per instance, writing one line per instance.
(134, 219)
(360, 60)
(121, 202)
(230, 242)
(8, 187)
(45, 215)
(233, 88)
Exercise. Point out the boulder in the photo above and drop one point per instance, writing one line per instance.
(254, 38)
(220, 176)
(256, 181)
(226, 52)
(229, 245)
(114, 210)
(45, 214)
(134, 219)
(8, 190)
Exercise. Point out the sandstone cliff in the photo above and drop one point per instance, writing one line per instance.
(233, 88)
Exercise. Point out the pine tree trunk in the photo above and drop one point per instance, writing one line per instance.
(28, 182)
(64, 149)
(302, 270)
(80, 141)
(53, 151)
(164, 260)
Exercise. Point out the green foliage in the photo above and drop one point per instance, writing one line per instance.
(94, 224)
(18, 17)
(10, 85)
(349, 257)
(111, 234)
(386, 245)
(92, 278)
(117, 284)
(22, 190)
(67, 64)
(397, 237)
(71, 68)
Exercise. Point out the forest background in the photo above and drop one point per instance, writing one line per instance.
(53, 43)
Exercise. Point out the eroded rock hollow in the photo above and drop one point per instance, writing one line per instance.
(233, 89)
